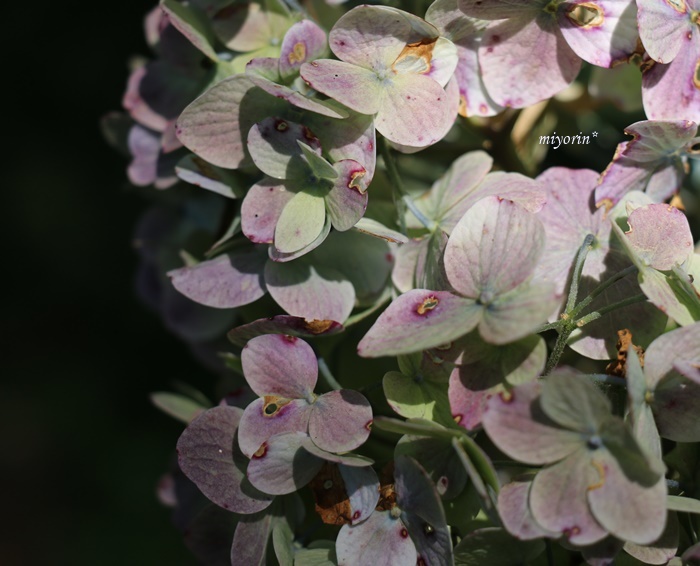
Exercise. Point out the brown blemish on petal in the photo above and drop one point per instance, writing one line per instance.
(317, 326)
(356, 181)
(458, 418)
(586, 15)
(417, 54)
(428, 304)
(272, 405)
(678, 5)
(297, 54)
(507, 396)
(462, 109)
(281, 126)
(330, 495)
(696, 75)
(571, 531)
(260, 452)
(368, 425)
(288, 338)
(601, 475)
(404, 533)
(607, 203)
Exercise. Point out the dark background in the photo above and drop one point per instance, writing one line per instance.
(81, 448)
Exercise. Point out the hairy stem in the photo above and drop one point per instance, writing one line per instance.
(595, 315)
(602, 287)
(578, 270)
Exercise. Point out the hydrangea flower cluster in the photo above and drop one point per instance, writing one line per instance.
(440, 339)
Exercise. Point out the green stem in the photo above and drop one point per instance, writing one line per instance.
(550, 553)
(558, 349)
(327, 375)
(602, 288)
(595, 315)
(578, 270)
(395, 180)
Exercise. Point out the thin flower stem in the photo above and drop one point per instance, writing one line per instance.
(327, 375)
(602, 287)
(424, 220)
(558, 349)
(395, 180)
(595, 315)
(578, 270)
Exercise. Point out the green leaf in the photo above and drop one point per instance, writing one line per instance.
(192, 25)
(418, 398)
(282, 540)
(300, 223)
(177, 406)
(479, 468)
(416, 427)
(683, 504)
(319, 166)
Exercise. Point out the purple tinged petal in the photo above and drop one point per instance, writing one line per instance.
(294, 326)
(517, 314)
(601, 32)
(248, 27)
(517, 425)
(654, 140)
(514, 511)
(208, 455)
(190, 24)
(225, 282)
(567, 218)
(351, 138)
(418, 320)
(269, 416)
(672, 91)
(264, 73)
(340, 421)
(629, 510)
(661, 550)
(303, 42)
(250, 539)
(315, 292)
(301, 222)
(353, 86)
(373, 37)
(276, 364)
(414, 110)
(558, 499)
(660, 236)
(348, 459)
(362, 487)
(513, 77)
(347, 200)
(216, 124)
(493, 249)
(261, 210)
(662, 26)
(144, 147)
(381, 540)
(282, 466)
(194, 170)
(451, 195)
